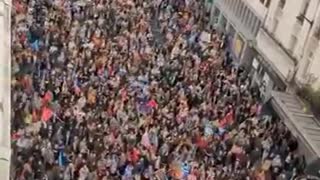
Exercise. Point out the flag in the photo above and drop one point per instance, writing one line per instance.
(76, 87)
(35, 45)
(227, 120)
(202, 143)
(15, 136)
(222, 123)
(208, 131)
(229, 117)
(236, 149)
(61, 158)
(221, 131)
(145, 141)
(134, 155)
(152, 103)
(259, 109)
(185, 169)
(101, 71)
(48, 97)
(47, 113)
(124, 94)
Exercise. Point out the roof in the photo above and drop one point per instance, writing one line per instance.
(305, 123)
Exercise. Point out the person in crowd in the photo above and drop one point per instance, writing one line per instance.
(135, 89)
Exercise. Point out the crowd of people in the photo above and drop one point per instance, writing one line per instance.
(135, 89)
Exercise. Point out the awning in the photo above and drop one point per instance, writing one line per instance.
(277, 57)
(303, 125)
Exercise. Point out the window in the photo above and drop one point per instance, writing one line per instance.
(256, 27)
(306, 67)
(268, 3)
(215, 16)
(239, 7)
(282, 3)
(317, 33)
(305, 8)
(249, 19)
(243, 10)
(303, 11)
(223, 22)
(253, 23)
(244, 15)
(233, 5)
(231, 31)
(275, 26)
(216, 12)
(293, 43)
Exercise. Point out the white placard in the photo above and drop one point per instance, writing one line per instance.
(266, 78)
(205, 36)
(255, 63)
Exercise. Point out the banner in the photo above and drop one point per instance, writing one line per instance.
(238, 46)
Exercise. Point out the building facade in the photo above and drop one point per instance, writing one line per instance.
(283, 36)
(240, 21)
(5, 78)
(295, 28)
(277, 39)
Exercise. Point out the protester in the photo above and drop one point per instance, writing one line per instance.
(140, 89)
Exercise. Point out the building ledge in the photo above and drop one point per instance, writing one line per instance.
(287, 52)
(274, 54)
